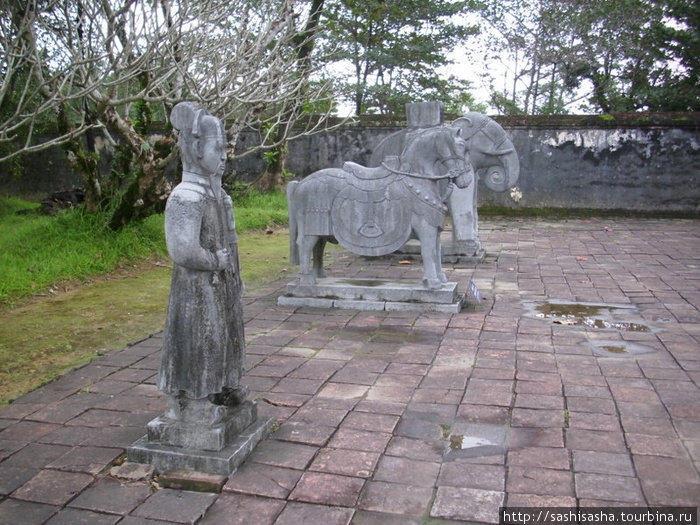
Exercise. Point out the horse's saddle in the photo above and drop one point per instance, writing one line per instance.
(371, 216)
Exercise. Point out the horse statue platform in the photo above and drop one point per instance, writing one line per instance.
(375, 295)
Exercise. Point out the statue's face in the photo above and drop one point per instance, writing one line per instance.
(213, 147)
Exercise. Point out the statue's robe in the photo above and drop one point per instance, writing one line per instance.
(204, 346)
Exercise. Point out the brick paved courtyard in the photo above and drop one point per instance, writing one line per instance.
(394, 417)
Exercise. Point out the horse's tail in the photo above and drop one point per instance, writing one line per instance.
(293, 226)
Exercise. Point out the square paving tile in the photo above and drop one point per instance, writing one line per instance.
(467, 474)
(237, 509)
(14, 511)
(410, 471)
(283, 454)
(53, 487)
(91, 460)
(581, 439)
(108, 495)
(295, 513)
(328, 489)
(35, 455)
(621, 489)
(467, 504)
(299, 432)
(179, 506)
(263, 480)
(370, 421)
(602, 462)
(394, 498)
(353, 439)
(546, 457)
(431, 451)
(668, 481)
(345, 462)
(70, 516)
(541, 481)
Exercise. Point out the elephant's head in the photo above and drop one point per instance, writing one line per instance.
(491, 151)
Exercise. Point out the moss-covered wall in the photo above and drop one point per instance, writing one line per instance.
(634, 162)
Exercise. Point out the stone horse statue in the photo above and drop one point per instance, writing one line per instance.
(374, 211)
(494, 160)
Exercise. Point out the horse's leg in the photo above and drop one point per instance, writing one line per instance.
(306, 245)
(428, 236)
(318, 257)
(438, 259)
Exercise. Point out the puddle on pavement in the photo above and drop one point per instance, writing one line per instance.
(472, 440)
(460, 442)
(590, 315)
(618, 348)
(613, 349)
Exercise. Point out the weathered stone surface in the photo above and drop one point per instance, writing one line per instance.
(493, 156)
(225, 461)
(208, 425)
(197, 436)
(129, 471)
(192, 480)
(373, 294)
(374, 211)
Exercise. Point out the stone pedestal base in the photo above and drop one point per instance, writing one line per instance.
(198, 435)
(217, 449)
(373, 294)
(464, 252)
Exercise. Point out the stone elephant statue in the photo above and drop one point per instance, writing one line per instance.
(494, 160)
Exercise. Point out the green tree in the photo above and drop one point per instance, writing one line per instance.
(384, 53)
(616, 55)
(523, 42)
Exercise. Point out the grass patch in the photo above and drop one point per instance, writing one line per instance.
(37, 252)
(258, 211)
(71, 289)
(48, 335)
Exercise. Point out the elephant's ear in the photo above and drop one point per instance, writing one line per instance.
(468, 124)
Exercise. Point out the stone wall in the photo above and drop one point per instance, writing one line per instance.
(635, 162)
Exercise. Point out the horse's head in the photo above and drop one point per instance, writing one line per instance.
(453, 155)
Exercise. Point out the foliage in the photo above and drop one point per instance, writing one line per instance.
(595, 55)
(257, 211)
(393, 50)
(37, 251)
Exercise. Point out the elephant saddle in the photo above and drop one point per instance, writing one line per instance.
(372, 215)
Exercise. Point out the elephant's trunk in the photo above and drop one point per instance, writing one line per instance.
(504, 177)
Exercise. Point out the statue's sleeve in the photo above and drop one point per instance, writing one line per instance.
(183, 223)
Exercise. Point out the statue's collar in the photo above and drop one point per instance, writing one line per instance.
(202, 181)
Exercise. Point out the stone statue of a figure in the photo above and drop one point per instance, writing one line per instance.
(203, 348)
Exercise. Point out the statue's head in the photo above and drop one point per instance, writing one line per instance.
(202, 139)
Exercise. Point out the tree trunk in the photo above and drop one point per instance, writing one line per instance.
(146, 195)
(149, 189)
(85, 164)
(272, 178)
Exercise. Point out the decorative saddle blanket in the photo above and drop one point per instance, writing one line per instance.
(372, 216)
